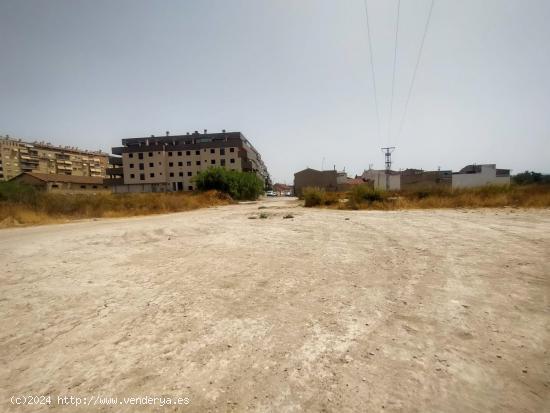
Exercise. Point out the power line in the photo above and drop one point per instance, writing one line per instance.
(415, 70)
(372, 71)
(394, 67)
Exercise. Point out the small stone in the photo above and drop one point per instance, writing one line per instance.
(524, 370)
(371, 353)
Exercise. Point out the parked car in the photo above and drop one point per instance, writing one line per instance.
(270, 193)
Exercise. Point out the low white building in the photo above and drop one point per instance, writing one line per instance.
(479, 175)
(378, 177)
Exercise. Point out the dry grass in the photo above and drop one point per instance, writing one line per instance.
(44, 208)
(528, 196)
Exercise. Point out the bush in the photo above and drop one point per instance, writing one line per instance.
(313, 196)
(528, 178)
(52, 207)
(239, 185)
(364, 193)
(18, 193)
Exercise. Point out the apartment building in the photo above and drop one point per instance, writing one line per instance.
(170, 163)
(18, 156)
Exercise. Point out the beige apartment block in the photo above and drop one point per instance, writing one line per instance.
(170, 163)
(18, 156)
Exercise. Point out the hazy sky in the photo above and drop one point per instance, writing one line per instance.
(292, 75)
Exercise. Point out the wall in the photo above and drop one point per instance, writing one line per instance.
(378, 178)
(314, 178)
(487, 176)
(417, 180)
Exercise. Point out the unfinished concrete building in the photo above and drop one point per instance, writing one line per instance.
(170, 163)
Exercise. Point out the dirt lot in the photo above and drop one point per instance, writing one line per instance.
(427, 311)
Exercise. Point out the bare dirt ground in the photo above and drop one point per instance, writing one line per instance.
(426, 311)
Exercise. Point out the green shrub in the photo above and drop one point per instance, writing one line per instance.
(239, 185)
(18, 193)
(313, 196)
(364, 193)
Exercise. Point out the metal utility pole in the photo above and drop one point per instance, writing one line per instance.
(387, 152)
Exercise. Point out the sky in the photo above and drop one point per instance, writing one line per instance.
(293, 76)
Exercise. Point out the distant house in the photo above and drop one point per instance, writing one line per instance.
(353, 182)
(378, 178)
(478, 175)
(414, 179)
(283, 189)
(62, 183)
(328, 180)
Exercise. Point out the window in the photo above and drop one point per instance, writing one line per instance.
(231, 149)
(131, 165)
(140, 155)
(179, 153)
(152, 175)
(213, 161)
(232, 160)
(82, 186)
(222, 151)
(151, 154)
(212, 150)
(94, 186)
(189, 173)
(171, 174)
(55, 186)
(188, 153)
(180, 163)
(198, 162)
(142, 177)
(132, 176)
(130, 155)
(222, 162)
(169, 153)
(170, 163)
(181, 174)
(160, 163)
(188, 163)
(198, 152)
(190, 187)
(141, 167)
(151, 164)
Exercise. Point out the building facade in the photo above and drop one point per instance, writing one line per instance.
(479, 175)
(170, 163)
(329, 180)
(17, 156)
(418, 179)
(378, 179)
